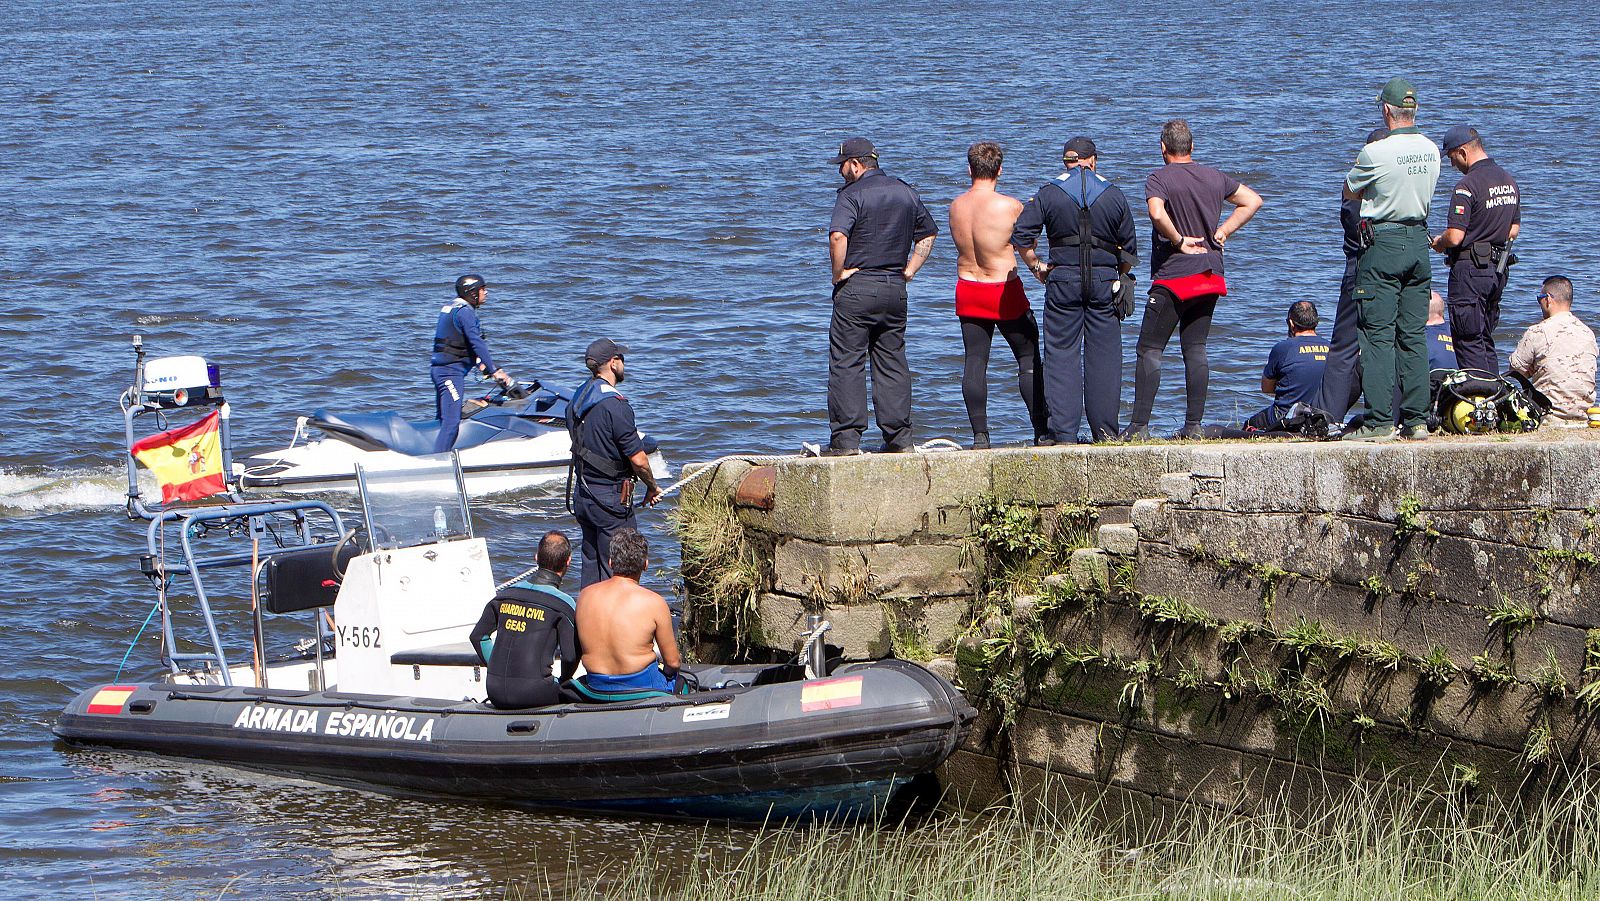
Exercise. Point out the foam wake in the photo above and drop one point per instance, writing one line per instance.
(30, 493)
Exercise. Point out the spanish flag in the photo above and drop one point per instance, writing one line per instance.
(187, 461)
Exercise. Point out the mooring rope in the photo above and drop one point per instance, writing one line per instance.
(931, 446)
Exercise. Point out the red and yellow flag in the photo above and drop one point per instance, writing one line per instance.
(187, 461)
(830, 694)
(110, 699)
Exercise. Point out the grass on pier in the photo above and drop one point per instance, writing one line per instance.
(1373, 843)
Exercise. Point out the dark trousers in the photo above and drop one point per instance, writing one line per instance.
(869, 320)
(509, 693)
(598, 522)
(1022, 334)
(1192, 320)
(1082, 357)
(1474, 305)
(1393, 282)
(449, 383)
(1341, 374)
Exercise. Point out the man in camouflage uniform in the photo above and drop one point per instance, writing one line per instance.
(1558, 355)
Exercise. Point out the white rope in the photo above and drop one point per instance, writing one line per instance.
(933, 445)
(812, 637)
(300, 423)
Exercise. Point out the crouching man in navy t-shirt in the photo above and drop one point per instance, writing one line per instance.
(1293, 373)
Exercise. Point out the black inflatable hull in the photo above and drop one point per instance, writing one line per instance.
(833, 746)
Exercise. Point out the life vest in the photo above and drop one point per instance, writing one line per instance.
(592, 394)
(451, 342)
(1082, 187)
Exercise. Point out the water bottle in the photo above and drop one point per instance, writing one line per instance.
(439, 524)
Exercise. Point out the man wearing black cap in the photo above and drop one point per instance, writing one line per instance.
(1341, 385)
(879, 237)
(1394, 180)
(607, 455)
(1082, 320)
(1485, 216)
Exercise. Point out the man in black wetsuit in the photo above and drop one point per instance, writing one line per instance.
(532, 622)
(607, 455)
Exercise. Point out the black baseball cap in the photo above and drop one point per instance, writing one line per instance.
(855, 149)
(1078, 148)
(604, 350)
(1459, 137)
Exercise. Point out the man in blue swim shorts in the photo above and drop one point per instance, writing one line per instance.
(622, 624)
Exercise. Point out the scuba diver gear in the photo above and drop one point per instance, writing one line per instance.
(1468, 404)
(468, 286)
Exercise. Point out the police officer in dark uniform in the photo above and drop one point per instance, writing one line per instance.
(880, 235)
(1485, 216)
(458, 345)
(533, 623)
(1092, 244)
(1341, 379)
(607, 455)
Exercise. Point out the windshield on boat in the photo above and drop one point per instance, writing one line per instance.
(414, 505)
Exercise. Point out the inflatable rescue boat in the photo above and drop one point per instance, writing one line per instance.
(352, 667)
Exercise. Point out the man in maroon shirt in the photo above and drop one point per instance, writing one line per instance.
(1185, 201)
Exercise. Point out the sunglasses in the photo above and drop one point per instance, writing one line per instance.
(1542, 295)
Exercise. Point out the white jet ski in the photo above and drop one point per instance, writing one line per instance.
(510, 439)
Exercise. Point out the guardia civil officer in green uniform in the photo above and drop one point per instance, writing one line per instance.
(1393, 179)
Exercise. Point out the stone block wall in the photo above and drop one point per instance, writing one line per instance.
(1193, 622)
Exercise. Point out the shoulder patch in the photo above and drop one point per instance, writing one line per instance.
(1464, 192)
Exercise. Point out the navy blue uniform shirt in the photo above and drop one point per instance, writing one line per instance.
(1441, 347)
(882, 216)
(1296, 365)
(458, 338)
(1052, 209)
(609, 430)
(1350, 222)
(1485, 204)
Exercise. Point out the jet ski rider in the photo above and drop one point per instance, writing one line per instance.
(607, 455)
(458, 345)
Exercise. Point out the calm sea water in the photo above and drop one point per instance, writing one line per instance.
(290, 189)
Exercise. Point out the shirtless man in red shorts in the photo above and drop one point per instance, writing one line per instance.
(989, 293)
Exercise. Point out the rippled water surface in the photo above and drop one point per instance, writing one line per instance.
(290, 188)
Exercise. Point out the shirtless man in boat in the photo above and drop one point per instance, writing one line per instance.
(989, 293)
(621, 624)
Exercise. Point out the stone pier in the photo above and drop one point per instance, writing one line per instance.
(1192, 622)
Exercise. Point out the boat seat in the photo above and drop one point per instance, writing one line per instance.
(458, 653)
(305, 578)
(378, 431)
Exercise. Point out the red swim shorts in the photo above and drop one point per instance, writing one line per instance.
(1189, 287)
(1000, 301)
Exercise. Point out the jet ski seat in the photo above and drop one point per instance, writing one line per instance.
(378, 431)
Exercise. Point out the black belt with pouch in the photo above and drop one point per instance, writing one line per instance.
(1485, 255)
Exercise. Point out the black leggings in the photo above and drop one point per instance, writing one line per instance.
(1193, 320)
(1022, 333)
